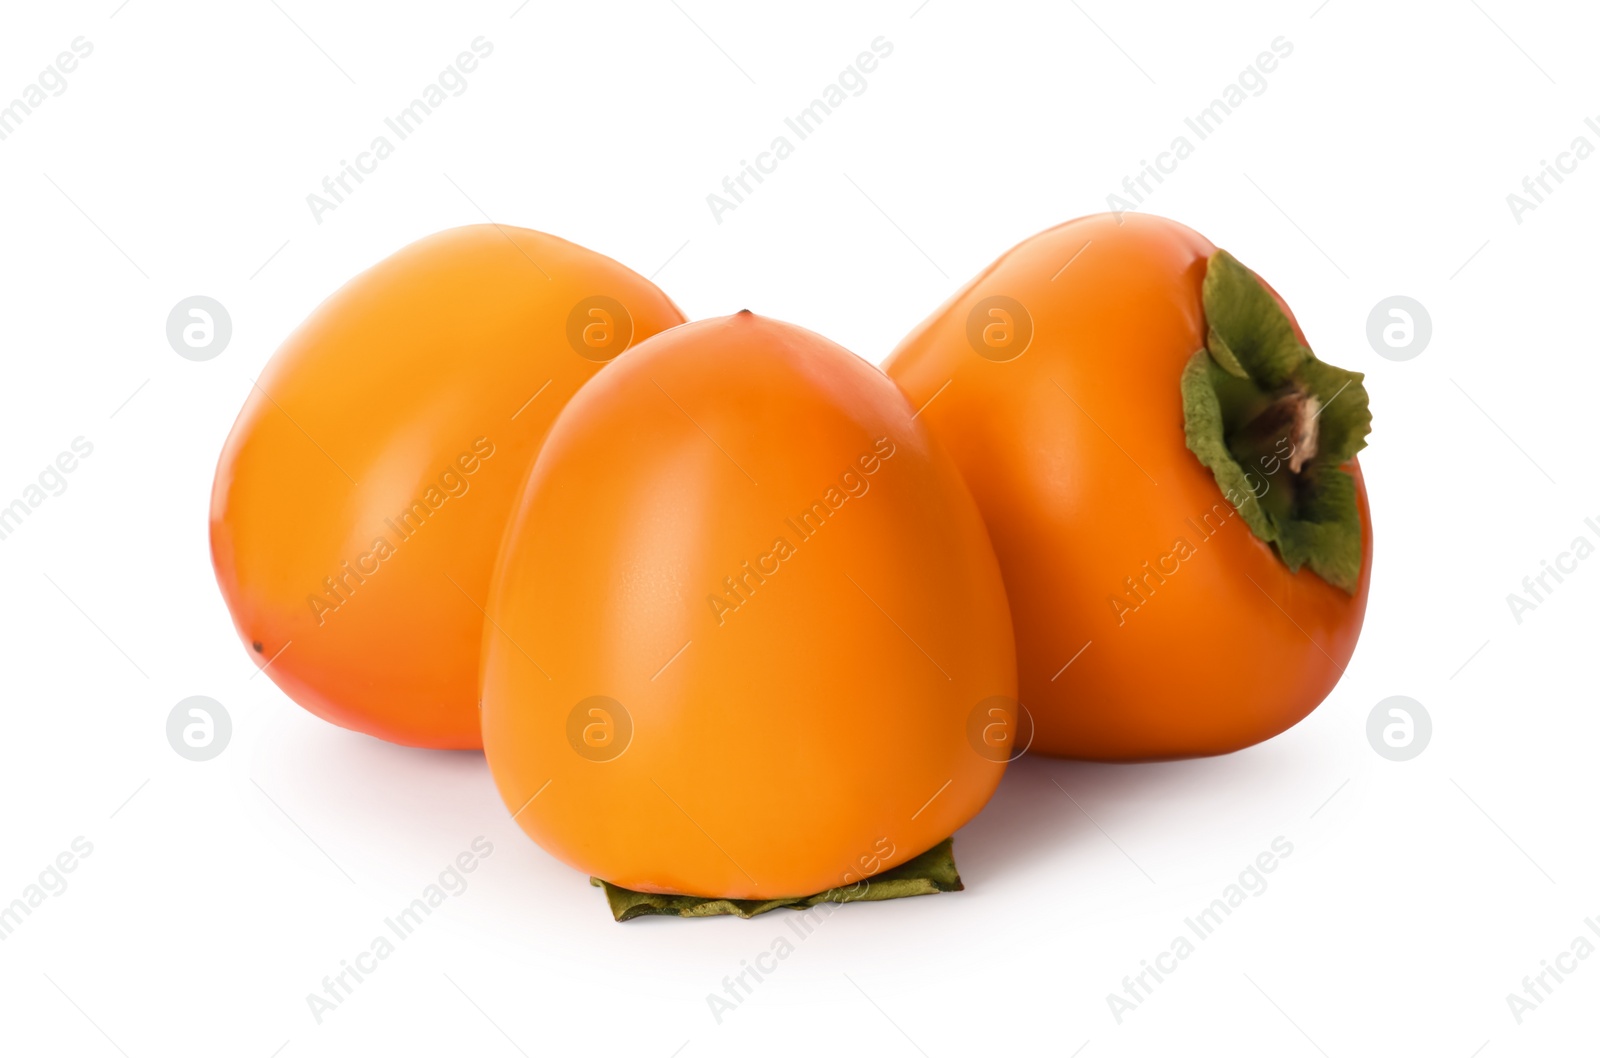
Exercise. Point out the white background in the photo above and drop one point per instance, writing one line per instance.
(1376, 162)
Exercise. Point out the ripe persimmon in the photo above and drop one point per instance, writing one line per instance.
(744, 615)
(360, 499)
(1169, 478)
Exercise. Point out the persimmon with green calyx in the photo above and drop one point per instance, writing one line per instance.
(743, 621)
(360, 498)
(1169, 477)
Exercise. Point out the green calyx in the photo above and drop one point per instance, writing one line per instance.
(932, 872)
(1276, 426)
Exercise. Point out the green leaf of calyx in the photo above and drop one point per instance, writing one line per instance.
(932, 872)
(1276, 426)
(1344, 418)
(1244, 318)
(1204, 433)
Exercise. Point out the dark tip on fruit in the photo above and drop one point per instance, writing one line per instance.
(256, 646)
(744, 312)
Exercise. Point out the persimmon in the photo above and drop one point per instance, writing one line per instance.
(743, 617)
(359, 500)
(1169, 477)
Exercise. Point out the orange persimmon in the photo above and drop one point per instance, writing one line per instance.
(360, 499)
(747, 627)
(1168, 476)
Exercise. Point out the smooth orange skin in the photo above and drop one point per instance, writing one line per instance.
(804, 741)
(357, 415)
(1075, 453)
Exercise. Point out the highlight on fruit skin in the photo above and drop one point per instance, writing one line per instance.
(1169, 477)
(743, 622)
(360, 497)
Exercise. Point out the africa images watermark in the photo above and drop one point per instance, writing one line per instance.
(1537, 988)
(1252, 882)
(852, 80)
(1538, 187)
(452, 81)
(1566, 563)
(453, 482)
(805, 525)
(736, 988)
(52, 481)
(52, 881)
(52, 79)
(1141, 588)
(451, 882)
(1252, 81)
